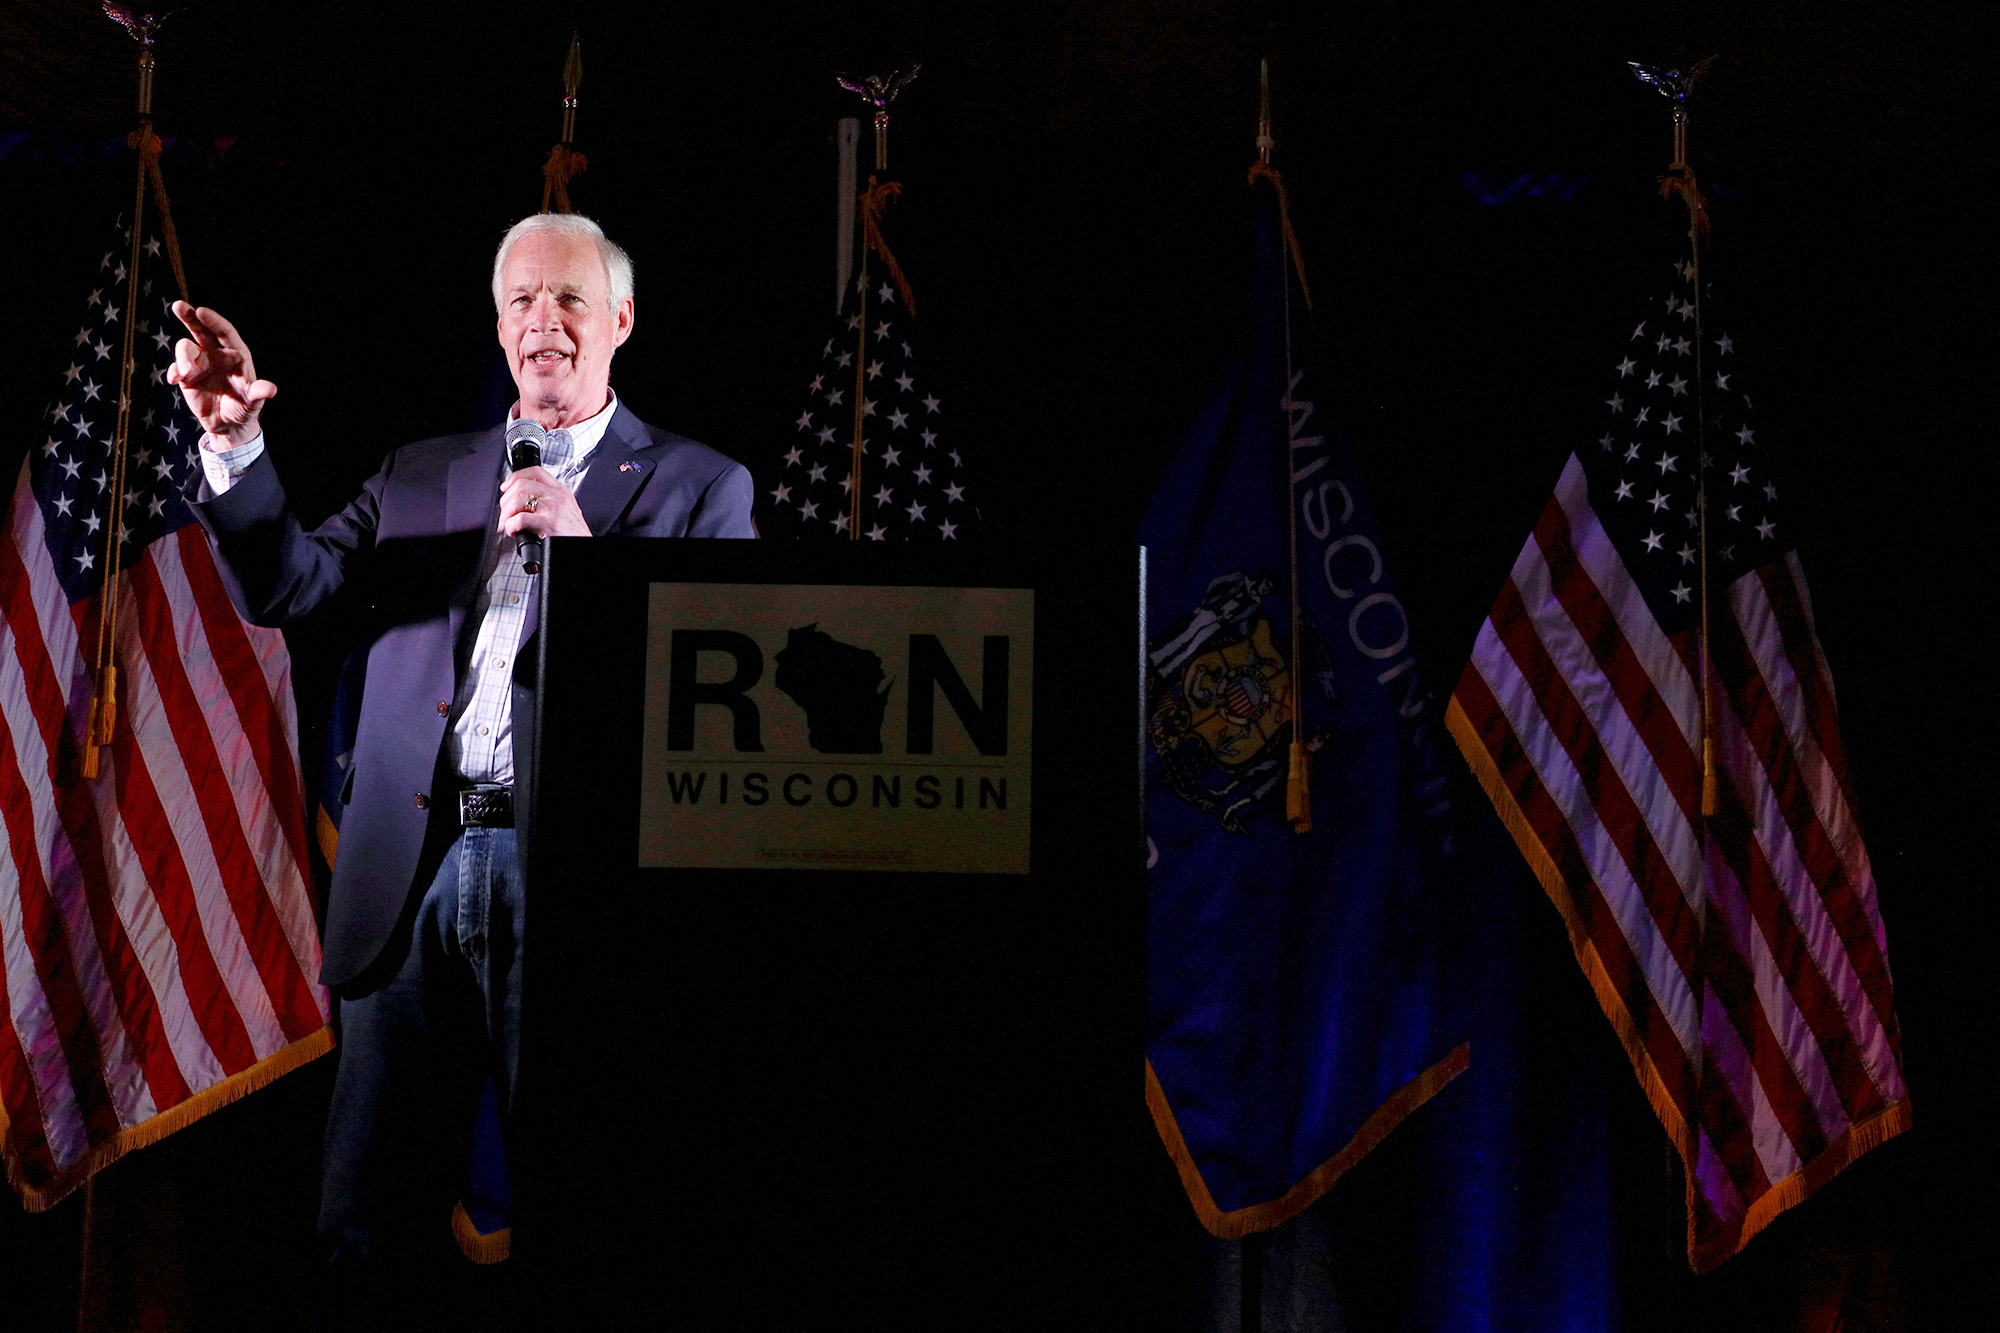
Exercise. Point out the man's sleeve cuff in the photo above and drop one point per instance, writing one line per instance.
(223, 467)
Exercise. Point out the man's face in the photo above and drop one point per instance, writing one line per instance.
(559, 328)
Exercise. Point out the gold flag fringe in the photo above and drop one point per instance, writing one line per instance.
(40, 1198)
(564, 165)
(1240, 1222)
(480, 1246)
(1783, 1194)
(1538, 858)
(1796, 1188)
(873, 203)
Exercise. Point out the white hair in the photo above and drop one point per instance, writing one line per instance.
(617, 264)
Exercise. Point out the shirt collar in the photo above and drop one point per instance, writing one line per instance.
(584, 435)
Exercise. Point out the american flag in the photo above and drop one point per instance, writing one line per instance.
(1740, 956)
(157, 938)
(913, 473)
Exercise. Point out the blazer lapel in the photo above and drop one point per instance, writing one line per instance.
(472, 504)
(608, 487)
(615, 474)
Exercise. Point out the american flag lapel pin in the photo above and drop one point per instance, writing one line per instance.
(631, 467)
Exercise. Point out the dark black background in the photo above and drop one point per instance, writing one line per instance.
(1075, 226)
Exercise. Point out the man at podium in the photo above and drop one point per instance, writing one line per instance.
(437, 558)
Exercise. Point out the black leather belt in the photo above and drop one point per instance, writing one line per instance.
(486, 807)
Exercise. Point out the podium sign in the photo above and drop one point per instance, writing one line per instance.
(834, 997)
(837, 727)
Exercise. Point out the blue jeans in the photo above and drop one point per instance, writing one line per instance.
(420, 1034)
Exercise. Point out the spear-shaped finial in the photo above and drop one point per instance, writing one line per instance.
(1265, 143)
(572, 79)
(1674, 86)
(879, 91)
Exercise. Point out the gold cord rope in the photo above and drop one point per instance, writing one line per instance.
(103, 716)
(873, 203)
(1680, 180)
(1268, 172)
(564, 165)
(1298, 776)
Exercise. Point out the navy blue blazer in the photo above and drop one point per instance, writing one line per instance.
(406, 556)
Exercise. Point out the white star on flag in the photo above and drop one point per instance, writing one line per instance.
(927, 502)
(190, 823)
(1728, 926)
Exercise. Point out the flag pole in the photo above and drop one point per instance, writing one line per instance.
(564, 163)
(1680, 180)
(879, 91)
(102, 719)
(1298, 778)
(860, 382)
(848, 146)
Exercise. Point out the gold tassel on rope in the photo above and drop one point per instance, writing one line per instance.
(1298, 787)
(103, 716)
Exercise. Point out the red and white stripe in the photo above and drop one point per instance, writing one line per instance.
(1741, 956)
(156, 928)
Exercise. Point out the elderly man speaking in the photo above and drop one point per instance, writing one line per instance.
(424, 918)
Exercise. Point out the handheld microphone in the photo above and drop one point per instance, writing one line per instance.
(524, 450)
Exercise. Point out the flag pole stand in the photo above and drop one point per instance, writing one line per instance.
(1675, 86)
(83, 1302)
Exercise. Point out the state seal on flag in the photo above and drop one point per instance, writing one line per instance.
(1220, 700)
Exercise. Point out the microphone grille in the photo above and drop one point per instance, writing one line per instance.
(524, 443)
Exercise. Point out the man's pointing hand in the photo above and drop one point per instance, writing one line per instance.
(217, 378)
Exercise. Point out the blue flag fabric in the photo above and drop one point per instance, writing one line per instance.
(1293, 982)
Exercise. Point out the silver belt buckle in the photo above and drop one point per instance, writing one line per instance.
(475, 812)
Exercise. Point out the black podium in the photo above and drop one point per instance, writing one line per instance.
(815, 1031)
